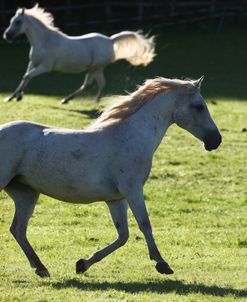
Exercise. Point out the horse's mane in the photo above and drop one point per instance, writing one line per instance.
(43, 16)
(133, 102)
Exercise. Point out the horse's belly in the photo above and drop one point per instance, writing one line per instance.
(84, 195)
(86, 192)
(72, 66)
(88, 198)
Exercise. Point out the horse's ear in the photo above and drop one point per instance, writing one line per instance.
(198, 82)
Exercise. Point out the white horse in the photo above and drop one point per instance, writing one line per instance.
(53, 50)
(108, 161)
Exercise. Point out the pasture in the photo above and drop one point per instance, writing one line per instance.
(197, 201)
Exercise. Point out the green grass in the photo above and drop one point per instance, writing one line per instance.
(197, 200)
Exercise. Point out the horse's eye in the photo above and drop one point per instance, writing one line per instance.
(199, 107)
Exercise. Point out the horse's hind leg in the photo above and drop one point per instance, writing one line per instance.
(25, 199)
(87, 82)
(118, 210)
(100, 79)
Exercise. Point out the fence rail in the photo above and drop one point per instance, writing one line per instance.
(75, 16)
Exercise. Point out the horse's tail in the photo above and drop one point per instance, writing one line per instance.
(134, 47)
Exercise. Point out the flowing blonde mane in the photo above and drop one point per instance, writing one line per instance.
(133, 102)
(40, 14)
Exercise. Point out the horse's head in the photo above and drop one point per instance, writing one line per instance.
(192, 114)
(16, 26)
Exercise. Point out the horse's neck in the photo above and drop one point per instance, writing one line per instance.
(37, 32)
(154, 118)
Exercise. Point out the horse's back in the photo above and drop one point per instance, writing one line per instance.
(79, 53)
(89, 36)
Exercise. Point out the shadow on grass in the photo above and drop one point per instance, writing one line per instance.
(161, 287)
(91, 113)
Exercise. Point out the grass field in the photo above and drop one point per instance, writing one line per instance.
(197, 200)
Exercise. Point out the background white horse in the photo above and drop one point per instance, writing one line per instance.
(109, 161)
(53, 50)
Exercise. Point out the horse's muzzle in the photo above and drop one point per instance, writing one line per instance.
(212, 140)
(8, 36)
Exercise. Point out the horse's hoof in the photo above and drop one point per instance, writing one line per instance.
(163, 268)
(8, 99)
(43, 273)
(64, 101)
(19, 97)
(81, 266)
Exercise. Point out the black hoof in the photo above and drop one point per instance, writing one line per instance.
(81, 266)
(163, 268)
(43, 273)
(19, 97)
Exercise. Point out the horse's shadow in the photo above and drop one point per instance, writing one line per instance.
(91, 113)
(160, 287)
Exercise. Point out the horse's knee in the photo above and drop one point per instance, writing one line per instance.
(123, 238)
(26, 77)
(16, 232)
(13, 231)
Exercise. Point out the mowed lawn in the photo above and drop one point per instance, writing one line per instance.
(197, 200)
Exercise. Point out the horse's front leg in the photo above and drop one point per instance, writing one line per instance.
(135, 198)
(18, 93)
(30, 73)
(118, 210)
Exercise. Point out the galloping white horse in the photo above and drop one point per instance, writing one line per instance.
(53, 50)
(109, 161)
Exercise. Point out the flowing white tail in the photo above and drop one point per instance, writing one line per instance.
(134, 47)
